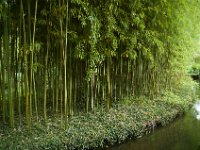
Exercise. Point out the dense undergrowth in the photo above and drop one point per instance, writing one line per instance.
(63, 57)
(132, 119)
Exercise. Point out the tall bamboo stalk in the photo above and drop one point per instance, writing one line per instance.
(32, 77)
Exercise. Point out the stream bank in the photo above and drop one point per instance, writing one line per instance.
(182, 134)
(133, 119)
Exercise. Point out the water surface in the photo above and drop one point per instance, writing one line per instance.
(183, 134)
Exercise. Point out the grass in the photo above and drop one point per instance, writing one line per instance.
(133, 119)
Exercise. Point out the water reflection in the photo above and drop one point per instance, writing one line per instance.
(197, 109)
(183, 134)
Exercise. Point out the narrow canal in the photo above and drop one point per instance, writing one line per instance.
(183, 134)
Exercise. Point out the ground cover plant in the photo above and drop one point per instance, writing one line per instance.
(100, 129)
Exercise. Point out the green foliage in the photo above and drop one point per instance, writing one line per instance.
(184, 96)
(92, 130)
(79, 55)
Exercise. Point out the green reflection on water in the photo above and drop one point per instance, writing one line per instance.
(183, 134)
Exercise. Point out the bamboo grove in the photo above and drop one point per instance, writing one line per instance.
(68, 56)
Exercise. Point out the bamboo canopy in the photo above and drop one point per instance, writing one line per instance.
(68, 56)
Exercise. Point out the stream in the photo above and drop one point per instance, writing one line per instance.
(182, 134)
